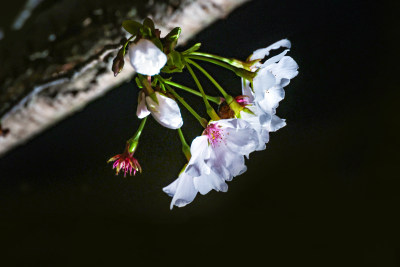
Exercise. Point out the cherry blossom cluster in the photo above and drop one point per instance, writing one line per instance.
(241, 125)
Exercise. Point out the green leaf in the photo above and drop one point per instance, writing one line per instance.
(192, 49)
(131, 26)
(148, 22)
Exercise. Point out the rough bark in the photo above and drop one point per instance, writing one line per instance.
(61, 59)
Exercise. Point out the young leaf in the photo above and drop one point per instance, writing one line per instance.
(131, 26)
(149, 23)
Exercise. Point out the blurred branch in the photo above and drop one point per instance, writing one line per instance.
(61, 58)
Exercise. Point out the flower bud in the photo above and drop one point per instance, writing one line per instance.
(165, 110)
(118, 62)
(146, 58)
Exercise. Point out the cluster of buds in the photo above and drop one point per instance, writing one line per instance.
(241, 124)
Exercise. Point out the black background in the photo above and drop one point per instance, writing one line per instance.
(325, 192)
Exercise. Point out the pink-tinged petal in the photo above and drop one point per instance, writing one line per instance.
(241, 138)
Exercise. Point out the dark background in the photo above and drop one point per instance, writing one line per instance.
(325, 192)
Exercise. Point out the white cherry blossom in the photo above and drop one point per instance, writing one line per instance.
(272, 75)
(217, 156)
(221, 148)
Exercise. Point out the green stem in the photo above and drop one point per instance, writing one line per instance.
(140, 129)
(229, 99)
(216, 62)
(127, 42)
(210, 111)
(224, 94)
(248, 75)
(185, 146)
(231, 61)
(215, 99)
(134, 140)
(202, 121)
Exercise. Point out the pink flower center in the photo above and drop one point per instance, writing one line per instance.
(214, 133)
(243, 100)
(127, 163)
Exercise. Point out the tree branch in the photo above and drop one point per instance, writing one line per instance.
(61, 58)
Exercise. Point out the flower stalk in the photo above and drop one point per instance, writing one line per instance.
(231, 61)
(248, 75)
(210, 111)
(185, 146)
(228, 98)
(215, 99)
(134, 140)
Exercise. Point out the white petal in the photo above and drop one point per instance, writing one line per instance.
(182, 189)
(271, 99)
(261, 128)
(225, 163)
(276, 123)
(240, 137)
(262, 82)
(200, 150)
(274, 59)
(142, 110)
(263, 52)
(284, 70)
(171, 188)
(146, 58)
(206, 183)
(166, 112)
(227, 157)
(246, 90)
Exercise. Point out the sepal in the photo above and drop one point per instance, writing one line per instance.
(174, 63)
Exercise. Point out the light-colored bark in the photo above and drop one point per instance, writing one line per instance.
(64, 74)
